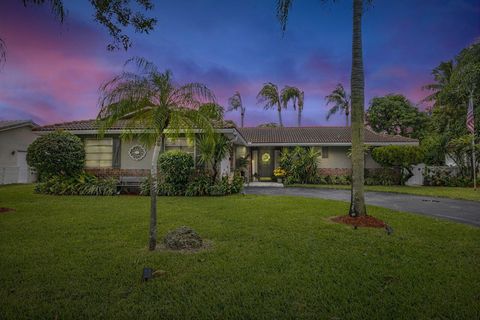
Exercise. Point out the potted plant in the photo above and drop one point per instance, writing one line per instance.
(279, 173)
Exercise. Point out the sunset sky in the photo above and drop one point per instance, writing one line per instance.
(53, 71)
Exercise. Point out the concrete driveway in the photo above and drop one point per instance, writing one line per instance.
(462, 211)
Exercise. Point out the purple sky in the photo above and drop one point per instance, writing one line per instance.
(53, 71)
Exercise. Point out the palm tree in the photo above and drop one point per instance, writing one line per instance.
(357, 204)
(150, 99)
(235, 103)
(3, 53)
(270, 97)
(442, 75)
(297, 97)
(340, 101)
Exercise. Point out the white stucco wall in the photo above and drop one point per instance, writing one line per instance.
(128, 163)
(338, 159)
(13, 147)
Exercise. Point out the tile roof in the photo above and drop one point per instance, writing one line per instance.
(314, 135)
(9, 124)
(258, 136)
(92, 124)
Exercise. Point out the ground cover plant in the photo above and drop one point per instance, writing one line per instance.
(271, 257)
(447, 192)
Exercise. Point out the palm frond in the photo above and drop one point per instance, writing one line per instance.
(293, 94)
(340, 101)
(235, 102)
(283, 9)
(269, 96)
(149, 99)
(3, 53)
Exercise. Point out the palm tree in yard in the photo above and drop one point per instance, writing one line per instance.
(235, 103)
(270, 97)
(340, 101)
(149, 99)
(442, 75)
(297, 97)
(357, 85)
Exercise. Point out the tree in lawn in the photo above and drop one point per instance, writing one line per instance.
(114, 15)
(395, 114)
(340, 101)
(357, 85)
(270, 97)
(235, 103)
(297, 97)
(150, 99)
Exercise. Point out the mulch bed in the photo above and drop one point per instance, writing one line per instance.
(363, 221)
(3, 209)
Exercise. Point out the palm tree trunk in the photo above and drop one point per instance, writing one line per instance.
(242, 116)
(346, 118)
(357, 205)
(152, 240)
(299, 120)
(280, 116)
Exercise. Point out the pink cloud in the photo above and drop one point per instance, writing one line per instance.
(53, 71)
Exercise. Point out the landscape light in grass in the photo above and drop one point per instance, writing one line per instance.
(147, 274)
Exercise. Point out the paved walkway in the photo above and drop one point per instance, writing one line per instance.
(463, 211)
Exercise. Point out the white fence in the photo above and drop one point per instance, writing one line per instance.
(10, 175)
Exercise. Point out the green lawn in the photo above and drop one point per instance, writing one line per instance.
(272, 258)
(447, 192)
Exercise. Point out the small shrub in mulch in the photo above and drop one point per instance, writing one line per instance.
(362, 221)
(183, 238)
(3, 209)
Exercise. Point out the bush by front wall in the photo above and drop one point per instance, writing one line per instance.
(200, 184)
(82, 184)
(56, 153)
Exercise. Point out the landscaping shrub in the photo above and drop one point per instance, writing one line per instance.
(401, 157)
(200, 184)
(300, 164)
(445, 177)
(382, 177)
(237, 183)
(176, 167)
(82, 184)
(57, 153)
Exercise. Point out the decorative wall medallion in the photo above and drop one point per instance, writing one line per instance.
(137, 152)
(266, 157)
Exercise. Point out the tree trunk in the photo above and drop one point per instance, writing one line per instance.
(299, 120)
(357, 205)
(346, 118)
(242, 115)
(280, 116)
(152, 240)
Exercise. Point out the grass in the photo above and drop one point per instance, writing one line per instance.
(272, 258)
(446, 192)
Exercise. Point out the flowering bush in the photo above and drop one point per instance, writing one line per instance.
(279, 172)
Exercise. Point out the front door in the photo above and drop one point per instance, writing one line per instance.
(265, 164)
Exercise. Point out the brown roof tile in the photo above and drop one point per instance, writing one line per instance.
(92, 124)
(314, 135)
(286, 135)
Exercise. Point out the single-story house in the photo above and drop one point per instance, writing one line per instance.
(15, 137)
(260, 148)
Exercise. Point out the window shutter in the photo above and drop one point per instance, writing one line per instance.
(116, 153)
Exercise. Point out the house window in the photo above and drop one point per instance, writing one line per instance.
(98, 153)
(181, 144)
(324, 152)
